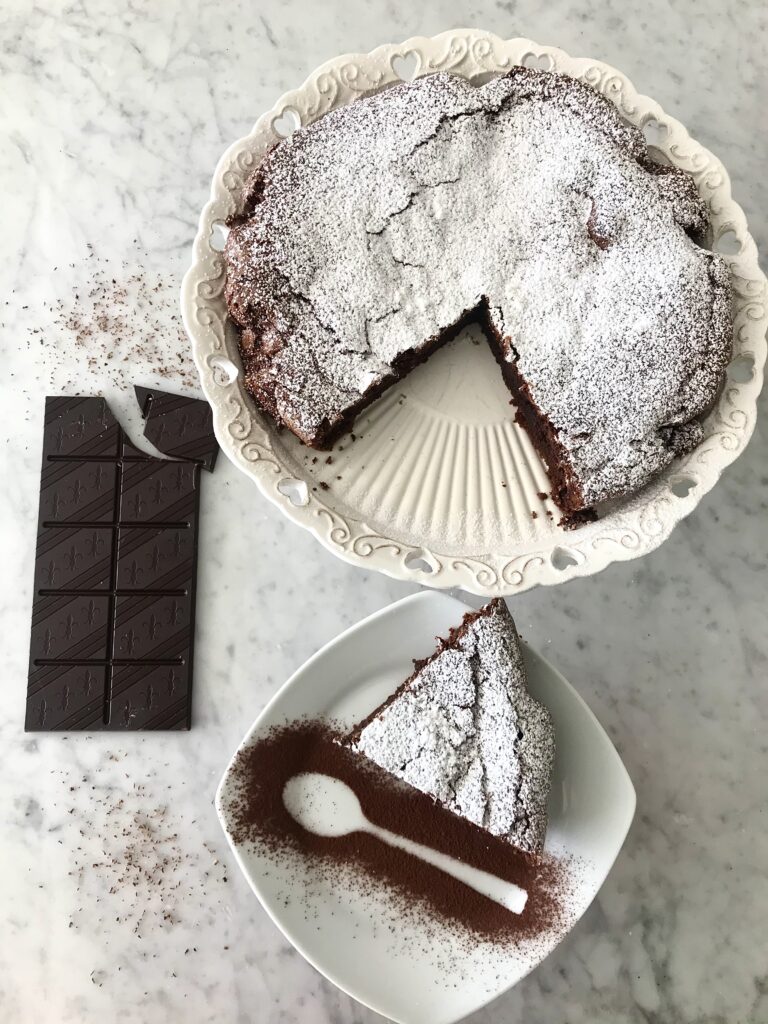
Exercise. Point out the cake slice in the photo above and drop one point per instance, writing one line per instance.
(464, 729)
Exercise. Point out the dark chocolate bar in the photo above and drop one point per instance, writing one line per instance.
(114, 605)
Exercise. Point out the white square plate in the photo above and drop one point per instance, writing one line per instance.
(416, 982)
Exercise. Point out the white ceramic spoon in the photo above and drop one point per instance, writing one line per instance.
(329, 807)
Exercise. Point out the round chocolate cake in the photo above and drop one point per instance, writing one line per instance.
(369, 237)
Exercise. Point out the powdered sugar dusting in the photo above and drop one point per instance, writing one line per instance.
(375, 229)
(466, 731)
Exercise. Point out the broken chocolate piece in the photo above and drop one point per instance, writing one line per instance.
(178, 426)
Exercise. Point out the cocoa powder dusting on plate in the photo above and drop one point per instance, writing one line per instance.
(258, 817)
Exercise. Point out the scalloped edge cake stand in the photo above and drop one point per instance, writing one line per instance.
(632, 527)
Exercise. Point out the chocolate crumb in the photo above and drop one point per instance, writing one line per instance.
(133, 856)
(126, 313)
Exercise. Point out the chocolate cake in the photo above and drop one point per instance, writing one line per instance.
(464, 729)
(368, 238)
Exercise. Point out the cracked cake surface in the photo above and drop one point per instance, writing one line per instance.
(529, 202)
(464, 729)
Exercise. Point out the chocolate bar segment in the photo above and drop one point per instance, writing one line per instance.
(155, 559)
(62, 697)
(152, 628)
(179, 426)
(69, 558)
(154, 698)
(82, 427)
(113, 611)
(70, 628)
(156, 491)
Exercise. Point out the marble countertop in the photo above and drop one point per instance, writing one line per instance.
(118, 898)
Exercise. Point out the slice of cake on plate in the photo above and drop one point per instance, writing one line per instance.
(464, 729)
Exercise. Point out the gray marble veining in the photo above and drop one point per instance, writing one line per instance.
(114, 116)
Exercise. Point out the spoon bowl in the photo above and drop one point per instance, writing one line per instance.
(323, 804)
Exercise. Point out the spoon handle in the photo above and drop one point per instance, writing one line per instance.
(509, 895)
